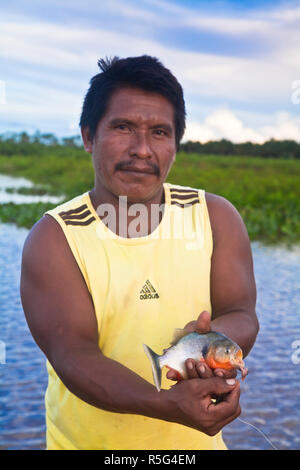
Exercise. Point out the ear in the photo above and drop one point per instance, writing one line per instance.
(87, 140)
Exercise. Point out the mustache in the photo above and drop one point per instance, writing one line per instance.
(128, 165)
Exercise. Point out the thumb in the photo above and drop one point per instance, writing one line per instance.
(201, 325)
(203, 322)
(218, 386)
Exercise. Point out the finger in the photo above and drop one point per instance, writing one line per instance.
(191, 370)
(224, 411)
(228, 407)
(226, 374)
(203, 370)
(203, 322)
(172, 374)
(216, 386)
(229, 419)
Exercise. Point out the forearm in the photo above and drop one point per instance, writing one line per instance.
(107, 384)
(241, 327)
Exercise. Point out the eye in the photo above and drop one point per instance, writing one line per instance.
(160, 132)
(122, 127)
(227, 351)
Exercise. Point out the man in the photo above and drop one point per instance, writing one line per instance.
(97, 285)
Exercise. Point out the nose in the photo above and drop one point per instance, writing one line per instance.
(139, 146)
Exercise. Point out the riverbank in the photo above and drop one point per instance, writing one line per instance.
(266, 192)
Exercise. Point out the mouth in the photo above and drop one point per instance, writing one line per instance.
(241, 366)
(140, 171)
(244, 372)
(137, 170)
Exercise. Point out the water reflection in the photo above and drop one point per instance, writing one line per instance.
(8, 182)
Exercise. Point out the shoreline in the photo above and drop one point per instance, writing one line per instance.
(265, 192)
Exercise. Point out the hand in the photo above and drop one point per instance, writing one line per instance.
(190, 403)
(201, 325)
(196, 369)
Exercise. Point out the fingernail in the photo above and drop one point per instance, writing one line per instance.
(219, 373)
(190, 365)
(202, 369)
(230, 381)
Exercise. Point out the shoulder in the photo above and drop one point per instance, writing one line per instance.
(218, 206)
(225, 220)
(48, 233)
(44, 244)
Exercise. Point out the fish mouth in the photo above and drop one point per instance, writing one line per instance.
(244, 372)
(241, 366)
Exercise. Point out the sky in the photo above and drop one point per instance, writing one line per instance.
(238, 61)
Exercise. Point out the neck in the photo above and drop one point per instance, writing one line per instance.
(127, 218)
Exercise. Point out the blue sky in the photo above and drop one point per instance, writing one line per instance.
(237, 61)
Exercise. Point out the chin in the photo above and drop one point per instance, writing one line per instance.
(138, 196)
(139, 193)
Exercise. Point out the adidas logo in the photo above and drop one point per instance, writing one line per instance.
(148, 292)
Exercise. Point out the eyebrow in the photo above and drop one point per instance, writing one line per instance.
(120, 120)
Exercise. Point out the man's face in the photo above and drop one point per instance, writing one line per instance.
(134, 145)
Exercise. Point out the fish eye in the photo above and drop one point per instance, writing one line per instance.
(227, 351)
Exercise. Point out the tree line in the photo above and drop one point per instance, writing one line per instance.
(269, 149)
(38, 143)
(23, 143)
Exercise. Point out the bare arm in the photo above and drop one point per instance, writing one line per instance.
(60, 314)
(233, 290)
(61, 317)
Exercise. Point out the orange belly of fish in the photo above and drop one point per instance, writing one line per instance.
(218, 365)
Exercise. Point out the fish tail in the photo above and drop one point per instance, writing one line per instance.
(156, 369)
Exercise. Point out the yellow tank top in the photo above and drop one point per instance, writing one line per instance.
(142, 289)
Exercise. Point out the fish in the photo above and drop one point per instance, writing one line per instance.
(213, 348)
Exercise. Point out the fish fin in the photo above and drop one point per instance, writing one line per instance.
(178, 334)
(156, 370)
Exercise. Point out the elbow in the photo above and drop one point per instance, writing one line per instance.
(252, 333)
(256, 325)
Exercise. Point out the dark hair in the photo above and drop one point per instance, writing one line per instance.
(144, 72)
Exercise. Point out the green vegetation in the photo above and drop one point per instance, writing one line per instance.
(23, 215)
(270, 149)
(266, 191)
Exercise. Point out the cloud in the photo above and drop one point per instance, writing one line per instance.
(47, 64)
(66, 48)
(223, 123)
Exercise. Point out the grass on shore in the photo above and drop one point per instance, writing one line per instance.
(266, 192)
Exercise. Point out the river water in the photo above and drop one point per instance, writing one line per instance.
(10, 182)
(270, 397)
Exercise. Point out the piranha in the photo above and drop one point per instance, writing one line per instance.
(213, 348)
